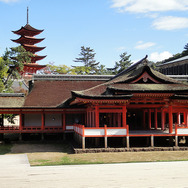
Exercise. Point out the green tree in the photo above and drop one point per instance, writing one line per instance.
(3, 75)
(87, 57)
(123, 63)
(186, 47)
(57, 69)
(102, 70)
(10, 65)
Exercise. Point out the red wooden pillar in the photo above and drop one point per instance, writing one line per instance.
(42, 120)
(96, 116)
(185, 118)
(149, 118)
(64, 121)
(162, 119)
(170, 119)
(124, 118)
(156, 123)
(20, 119)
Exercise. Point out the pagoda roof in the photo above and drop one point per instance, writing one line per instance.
(139, 78)
(34, 65)
(37, 58)
(28, 30)
(27, 40)
(32, 48)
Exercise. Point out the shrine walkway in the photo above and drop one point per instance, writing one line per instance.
(154, 132)
(16, 173)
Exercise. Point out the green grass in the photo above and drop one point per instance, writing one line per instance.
(64, 161)
(5, 148)
(68, 161)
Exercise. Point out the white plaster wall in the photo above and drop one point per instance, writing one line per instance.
(32, 120)
(53, 120)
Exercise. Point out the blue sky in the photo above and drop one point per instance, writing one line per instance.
(158, 28)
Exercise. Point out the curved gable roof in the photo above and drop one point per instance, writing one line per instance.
(139, 78)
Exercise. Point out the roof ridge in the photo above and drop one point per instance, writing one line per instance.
(132, 67)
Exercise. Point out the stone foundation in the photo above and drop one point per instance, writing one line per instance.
(145, 149)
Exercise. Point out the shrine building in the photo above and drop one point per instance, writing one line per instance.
(177, 68)
(137, 103)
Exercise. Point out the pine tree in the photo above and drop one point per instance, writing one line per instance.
(186, 47)
(87, 57)
(10, 66)
(123, 63)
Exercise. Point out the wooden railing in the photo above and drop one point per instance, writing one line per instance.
(101, 131)
(181, 129)
(29, 129)
(9, 127)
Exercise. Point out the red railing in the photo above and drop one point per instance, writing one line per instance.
(181, 129)
(30, 129)
(101, 131)
(9, 127)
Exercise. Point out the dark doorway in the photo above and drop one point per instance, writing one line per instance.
(134, 119)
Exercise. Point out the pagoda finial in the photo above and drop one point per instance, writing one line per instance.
(27, 15)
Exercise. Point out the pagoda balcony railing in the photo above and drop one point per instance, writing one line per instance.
(101, 131)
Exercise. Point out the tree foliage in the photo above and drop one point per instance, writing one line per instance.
(10, 65)
(123, 63)
(57, 69)
(186, 47)
(87, 57)
(90, 66)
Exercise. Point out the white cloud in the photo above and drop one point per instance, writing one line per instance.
(170, 23)
(142, 46)
(145, 6)
(156, 56)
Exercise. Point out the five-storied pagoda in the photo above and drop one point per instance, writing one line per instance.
(27, 40)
